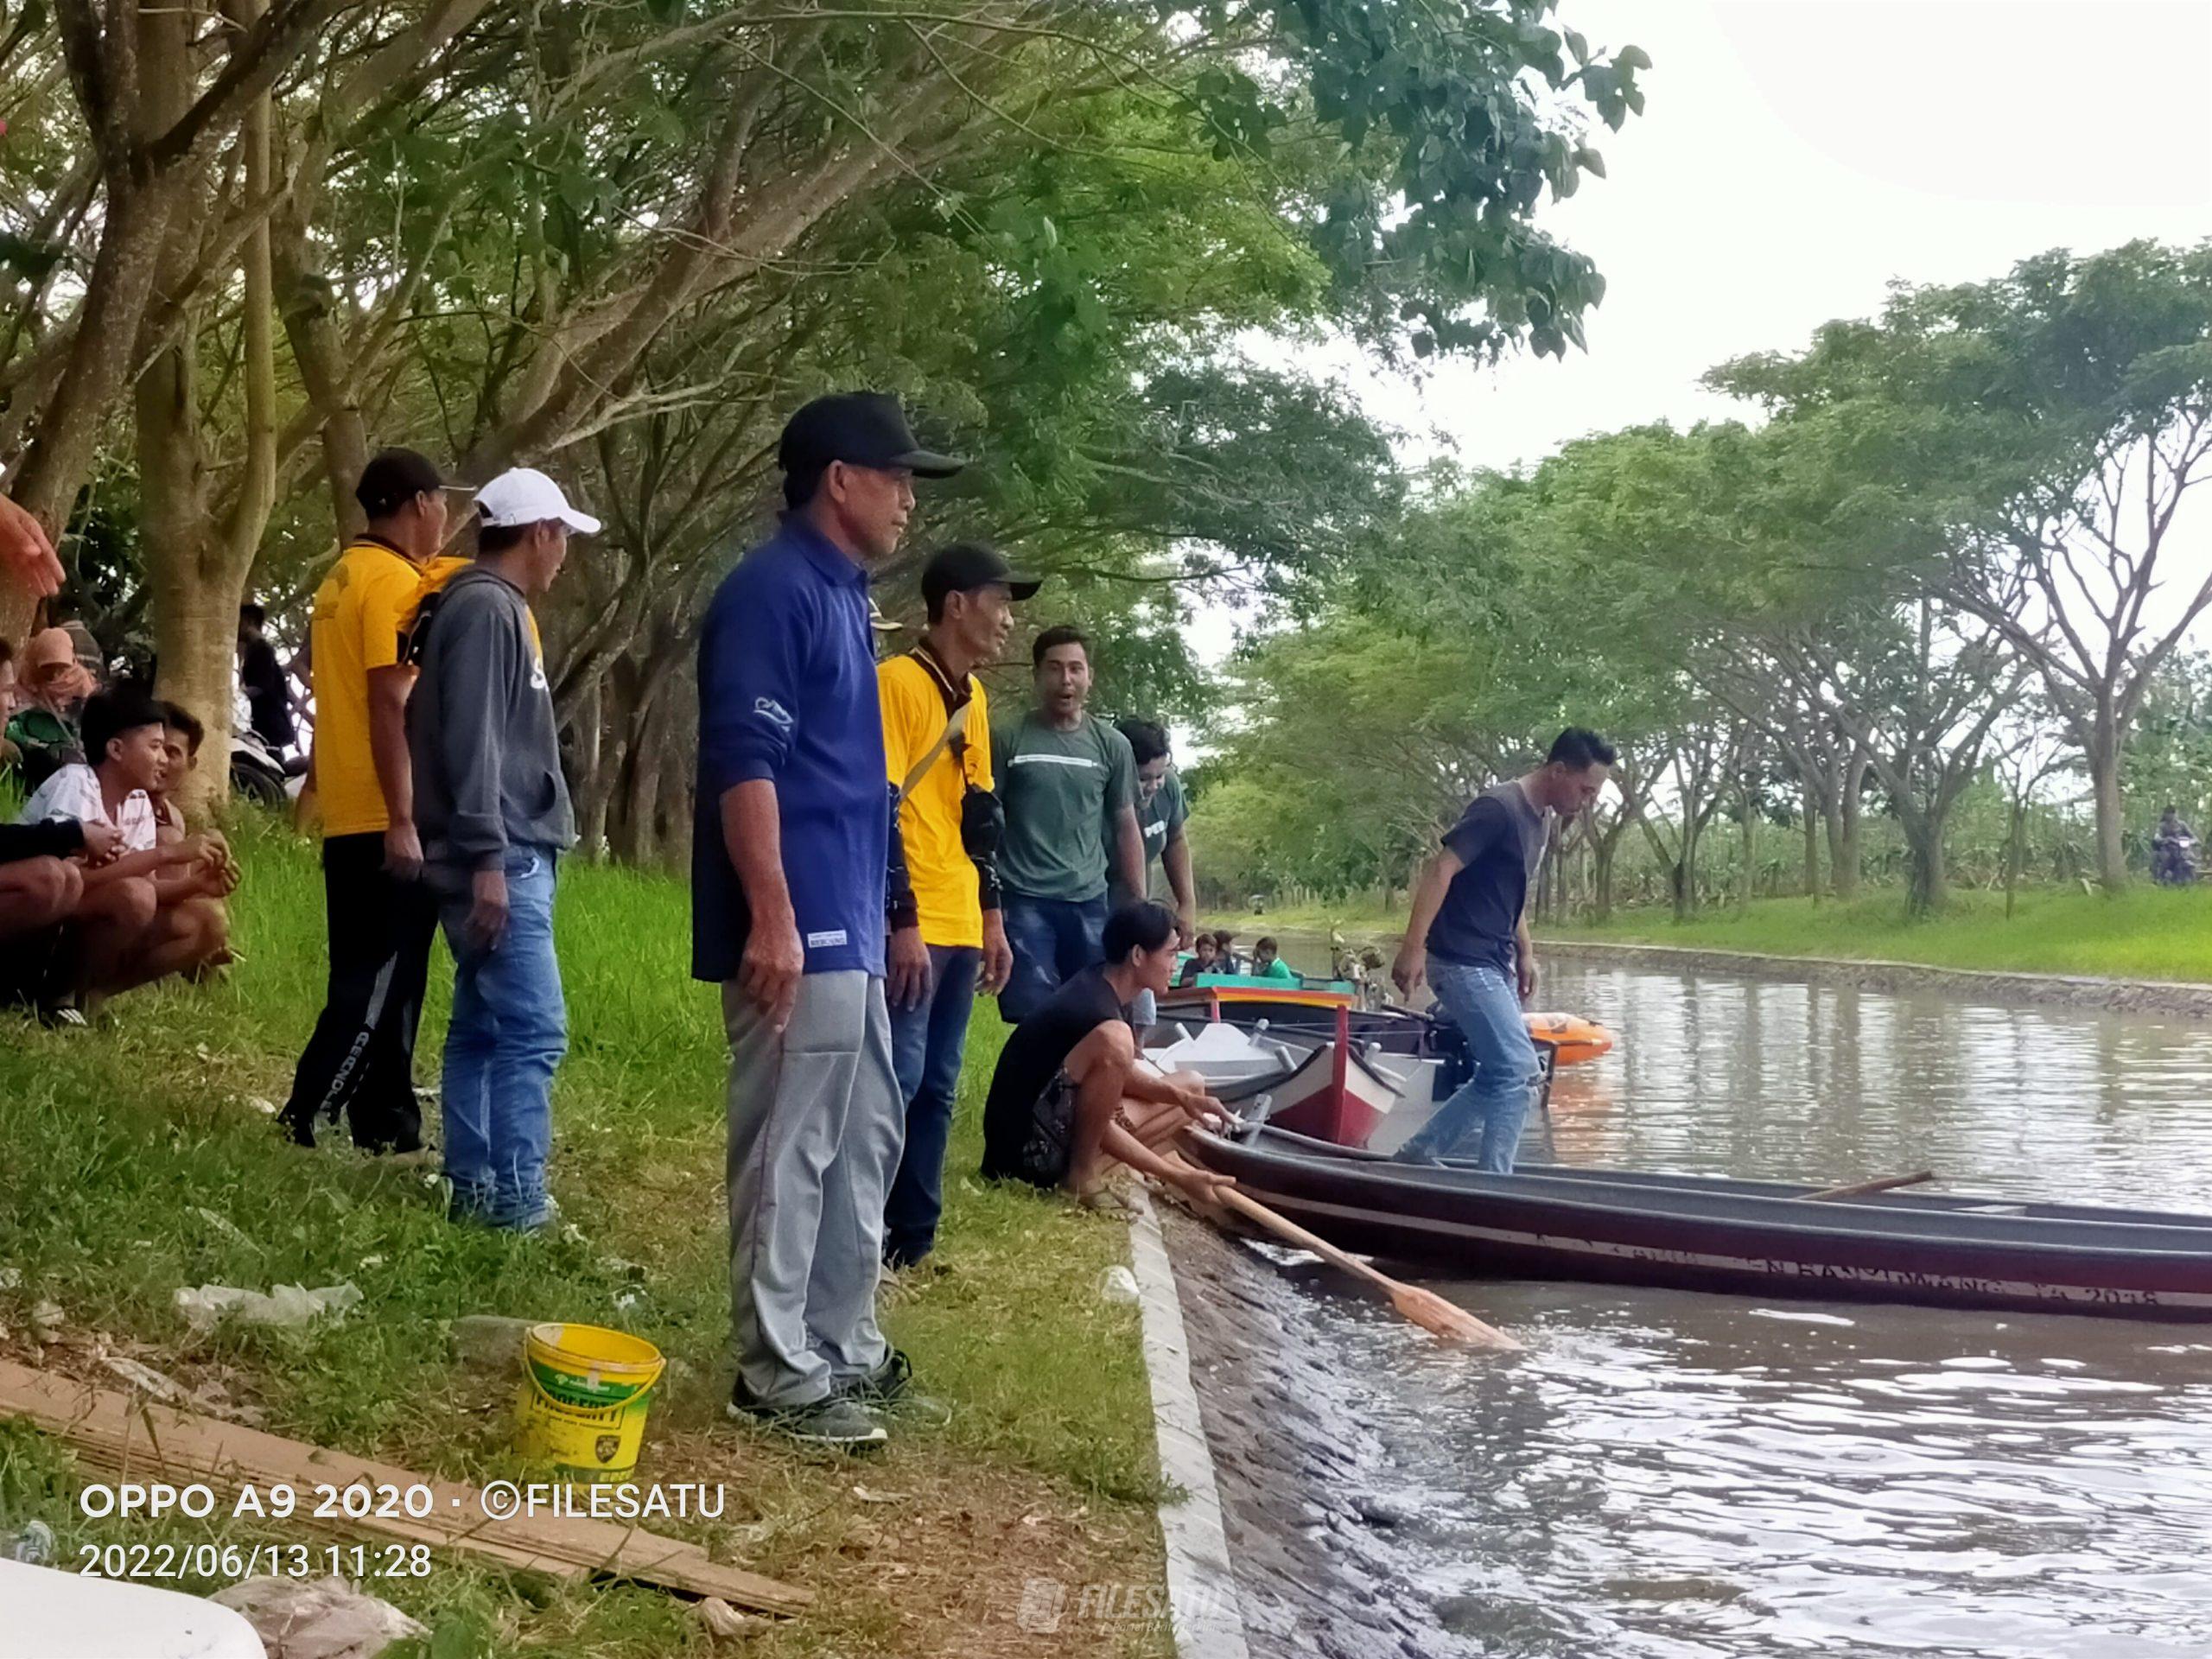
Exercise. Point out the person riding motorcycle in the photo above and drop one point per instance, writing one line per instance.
(2173, 851)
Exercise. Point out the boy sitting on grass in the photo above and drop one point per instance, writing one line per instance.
(181, 737)
(1072, 1091)
(131, 924)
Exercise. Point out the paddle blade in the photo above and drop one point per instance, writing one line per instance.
(1448, 1319)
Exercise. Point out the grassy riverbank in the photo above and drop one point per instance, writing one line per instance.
(141, 1158)
(2145, 933)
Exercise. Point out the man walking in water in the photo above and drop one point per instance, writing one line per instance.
(1069, 780)
(790, 885)
(1468, 938)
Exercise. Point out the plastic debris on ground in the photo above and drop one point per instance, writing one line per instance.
(488, 1338)
(286, 1305)
(1118, 1285)
(143, 1378)
(723, 1620)
(322, 1618)
(33, 1545)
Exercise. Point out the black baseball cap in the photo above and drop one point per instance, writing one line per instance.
(966, 566)
(392, 479)
(861, 428)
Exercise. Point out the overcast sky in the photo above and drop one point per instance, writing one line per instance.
(1793, 157)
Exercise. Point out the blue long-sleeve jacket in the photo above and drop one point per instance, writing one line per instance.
(788, 693)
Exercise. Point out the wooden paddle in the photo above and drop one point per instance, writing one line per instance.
(1423, 1307)
(1859, 1188)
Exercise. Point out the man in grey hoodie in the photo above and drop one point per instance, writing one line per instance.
(493, 811)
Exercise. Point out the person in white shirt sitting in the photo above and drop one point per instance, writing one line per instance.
(134, 922)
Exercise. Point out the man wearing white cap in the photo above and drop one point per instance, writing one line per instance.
(492, 810)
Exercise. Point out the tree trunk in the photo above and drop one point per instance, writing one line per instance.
(2015, 832)
(312, 330)
(645, 790)
(2102, 754)
(1812, 848)
(1747, 877)
(1843, 849)
(135, 225)
(197, 567)
(1684, 873)
(1601, 879)
(1925, 892)
(639, 832)
(595, 766)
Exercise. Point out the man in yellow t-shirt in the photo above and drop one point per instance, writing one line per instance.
(948, 841)
(361, 1062)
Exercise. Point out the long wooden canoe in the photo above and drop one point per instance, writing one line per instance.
(1755, 1238)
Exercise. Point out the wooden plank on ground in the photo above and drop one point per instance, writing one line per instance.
(132, 1437)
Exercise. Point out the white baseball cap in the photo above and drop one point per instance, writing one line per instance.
(522, 495)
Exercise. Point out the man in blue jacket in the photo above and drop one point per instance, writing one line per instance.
(791, 858)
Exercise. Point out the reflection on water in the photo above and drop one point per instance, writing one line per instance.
(1673, 1475)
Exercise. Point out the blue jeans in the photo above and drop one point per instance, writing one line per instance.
(1054, 940)
(927, 1043)
(1485, 1004)
(510, 1029)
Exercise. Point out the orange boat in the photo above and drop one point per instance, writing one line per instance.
(1573, 1040)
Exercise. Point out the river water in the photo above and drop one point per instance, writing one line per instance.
(1676, 1476)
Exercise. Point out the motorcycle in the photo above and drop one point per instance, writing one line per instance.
(2173, 860)
(258, 771)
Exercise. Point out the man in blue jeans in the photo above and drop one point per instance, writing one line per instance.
(1070, 783)
(1468, 938)
(937, 740)
(493, 811)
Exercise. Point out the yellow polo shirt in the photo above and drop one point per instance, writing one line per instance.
(946, 890)
(361, 611)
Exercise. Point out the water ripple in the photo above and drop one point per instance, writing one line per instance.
(1670, 1476)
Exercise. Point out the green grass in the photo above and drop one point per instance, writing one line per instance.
(1352, 920)
(138, 1161)
(2145, 933)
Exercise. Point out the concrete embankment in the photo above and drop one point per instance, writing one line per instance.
(1317, 1515)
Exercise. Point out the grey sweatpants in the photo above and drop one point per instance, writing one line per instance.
(816, 1127)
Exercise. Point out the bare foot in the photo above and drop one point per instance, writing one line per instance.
(1107, 1199)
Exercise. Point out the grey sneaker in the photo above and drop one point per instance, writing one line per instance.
(833, 1421)
(889, 1391)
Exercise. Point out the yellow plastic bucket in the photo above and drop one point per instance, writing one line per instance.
(585, 1391)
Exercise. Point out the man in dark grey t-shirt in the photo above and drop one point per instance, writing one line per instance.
(1468, 937)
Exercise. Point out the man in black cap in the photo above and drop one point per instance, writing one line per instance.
(937, 740)
(360, 1061)
(789, 895)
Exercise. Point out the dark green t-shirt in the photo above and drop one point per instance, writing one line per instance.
(1060, 789)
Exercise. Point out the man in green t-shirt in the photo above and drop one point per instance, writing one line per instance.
(1069, 783)
(1161, 813)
